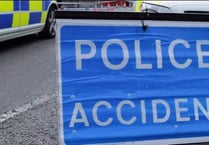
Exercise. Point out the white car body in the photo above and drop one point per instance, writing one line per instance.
(175, 6)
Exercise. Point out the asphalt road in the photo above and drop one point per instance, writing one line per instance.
(28, 92)
(28, 70)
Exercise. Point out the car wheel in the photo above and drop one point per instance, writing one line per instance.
(49, 30)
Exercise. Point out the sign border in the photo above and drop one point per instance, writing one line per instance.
(92, 22)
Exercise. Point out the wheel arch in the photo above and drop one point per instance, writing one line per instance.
(52, 4)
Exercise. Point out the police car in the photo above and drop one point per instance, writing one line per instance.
(24, 17)
(175, 6)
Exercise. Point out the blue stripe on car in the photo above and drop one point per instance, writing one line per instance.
(25, 5)
(7, 21)
(16, 5)
(47, 2)
(35, 17)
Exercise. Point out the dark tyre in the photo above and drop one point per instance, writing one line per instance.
(49, 30)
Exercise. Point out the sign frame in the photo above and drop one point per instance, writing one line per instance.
(78, 18)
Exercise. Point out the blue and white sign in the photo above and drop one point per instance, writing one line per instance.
(121, 84)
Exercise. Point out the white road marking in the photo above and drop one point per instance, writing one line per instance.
(24, 108)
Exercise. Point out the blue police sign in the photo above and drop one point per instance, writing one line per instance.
(121, 84)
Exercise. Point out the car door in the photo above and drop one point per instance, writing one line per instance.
(9, 18)
(31, 15)
(46, 4)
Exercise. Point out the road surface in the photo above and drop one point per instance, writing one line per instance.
(28, 92)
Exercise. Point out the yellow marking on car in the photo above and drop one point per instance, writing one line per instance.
(36, 5)
(16, 20)
(6, 6)
(138, 5)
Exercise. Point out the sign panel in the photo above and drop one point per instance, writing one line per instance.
(122, 84)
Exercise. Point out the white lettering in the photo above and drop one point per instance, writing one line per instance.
(201, 53)
(159, 112)
(95, 116)
(78, 108)
(139, 64)
(125, 56)
(159, 55)
(181, 109)
(156, 119)
(143, 111)
(172, 57)
(197, 106)
(119, 112)
(80, 46)
(79, 55)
